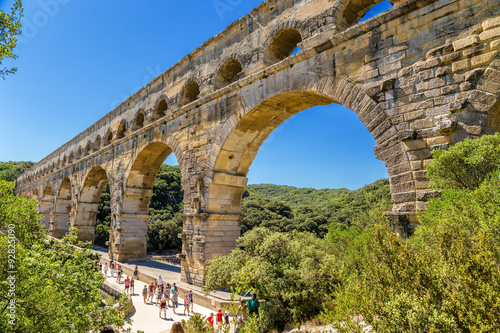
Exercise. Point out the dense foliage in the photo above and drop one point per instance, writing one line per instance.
(45, 286)
(286, 208)
(291, 271)
(446, 278)
(10, 27)
(467, 165)
(9, 171)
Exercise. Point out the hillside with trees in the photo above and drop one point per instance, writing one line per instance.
(9, 171)
(445, 278)
(275, 207)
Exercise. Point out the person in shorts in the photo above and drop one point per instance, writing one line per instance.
(132, 283)
(159, 295)
(145, 293)
(136, 273)
(166, 293)
(151, 292)
(105, 269)
(175, 300)
(186, 304)
(163, 308)
(190, 295)
(127, 284)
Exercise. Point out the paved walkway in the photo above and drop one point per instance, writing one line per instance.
(146, 316)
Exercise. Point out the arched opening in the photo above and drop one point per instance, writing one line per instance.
(62, 209)
(248, 129)
(88, 148)
(63, 162)
(160, 109)
(228, 73)
(79, 153)
(45, 207)
(34, 196)
(97, 143)
(108, 138)
(88, 207)
(191, 93)
(122, 129)
(282, 45)
(139, 121)
(70, 158)
(352, 12)
(151, 188)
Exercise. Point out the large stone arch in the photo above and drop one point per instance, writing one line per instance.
(349, 12)
(130, 214)
(88, 203)
(240, 137)
(242, 134)
(62, 209)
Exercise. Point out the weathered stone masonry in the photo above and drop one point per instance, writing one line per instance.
(420, 76)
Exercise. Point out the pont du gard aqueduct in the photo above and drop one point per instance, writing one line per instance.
(421, 76)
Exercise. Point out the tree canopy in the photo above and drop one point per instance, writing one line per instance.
(10, 27)
(45, 286)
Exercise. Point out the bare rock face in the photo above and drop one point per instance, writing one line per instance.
(421, 76)
(177, 328)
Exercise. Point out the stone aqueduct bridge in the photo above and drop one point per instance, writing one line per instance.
(420, 76)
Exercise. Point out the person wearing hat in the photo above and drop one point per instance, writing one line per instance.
(218, 318)
(226, 318)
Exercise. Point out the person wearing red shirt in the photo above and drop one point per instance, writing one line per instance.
(211, 319)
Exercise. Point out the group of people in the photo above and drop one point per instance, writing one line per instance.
(220, 320)
(117, 268)
(165, 295)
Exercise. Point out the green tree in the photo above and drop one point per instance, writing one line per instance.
(10, 27)
(292, 272)
(9, 171)
(467, 164)
(446, 278)
(45, 286)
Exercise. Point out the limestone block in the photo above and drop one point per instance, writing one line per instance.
(491, 33)
(415, 144)
(460, 66)
(465, 42)
(491, 23)
(483, 59)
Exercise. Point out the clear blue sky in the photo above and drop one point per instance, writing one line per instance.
(79, 59)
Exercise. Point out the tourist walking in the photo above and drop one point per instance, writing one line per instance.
(190, 295)
(210, 319)
(151, 292)
(156, 285)
(145, 293)
(226, 318)
(218, 318)
(136, 272)
(186, 305)
(239, 324)
(163, 308)
(166, 293)
(253, 305)
(160, 281)
(119, 272)
(112, 267)
(105, 269)
(127, 284)
(175, 300)
(159, 295)
(132, 283)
